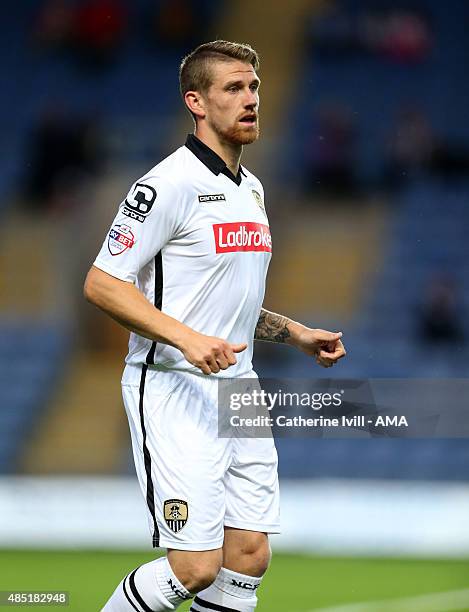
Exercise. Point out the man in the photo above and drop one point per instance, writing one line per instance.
(184, 268)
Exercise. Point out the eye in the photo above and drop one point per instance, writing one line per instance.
(233, 88)
(254, 87)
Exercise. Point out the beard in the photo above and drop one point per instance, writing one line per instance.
(238, 134)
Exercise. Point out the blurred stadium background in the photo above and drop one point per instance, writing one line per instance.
(365, 160)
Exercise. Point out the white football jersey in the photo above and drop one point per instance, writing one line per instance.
(195, 240)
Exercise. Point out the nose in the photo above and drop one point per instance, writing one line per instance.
(251, 100)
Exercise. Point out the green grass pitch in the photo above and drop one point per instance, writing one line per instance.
(293, 584)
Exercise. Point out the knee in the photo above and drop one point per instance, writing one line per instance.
(195, 570)
(257, 559)
(200, 577)
(247, 553)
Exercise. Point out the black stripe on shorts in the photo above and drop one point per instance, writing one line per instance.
(150, 360)
(147, 460)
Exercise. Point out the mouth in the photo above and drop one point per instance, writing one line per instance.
(250, 119)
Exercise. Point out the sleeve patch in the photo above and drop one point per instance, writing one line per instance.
(139, 203)
(120, 239)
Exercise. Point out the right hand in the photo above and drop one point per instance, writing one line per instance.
(209, 353)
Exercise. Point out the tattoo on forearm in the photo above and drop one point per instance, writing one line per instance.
(272, 327)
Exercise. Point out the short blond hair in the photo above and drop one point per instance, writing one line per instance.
(195, 73)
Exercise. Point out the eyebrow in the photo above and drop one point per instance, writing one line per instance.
(256, 81)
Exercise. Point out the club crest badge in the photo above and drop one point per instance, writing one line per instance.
(258, 198)
(120, 239)
(176, 513)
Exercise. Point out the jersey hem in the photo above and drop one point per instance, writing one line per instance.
(131, 374)
(161, 368)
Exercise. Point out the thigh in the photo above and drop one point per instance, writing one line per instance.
(251, 483)
(180, 460)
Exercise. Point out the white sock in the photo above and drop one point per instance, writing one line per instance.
(230, 592)
(152, 587)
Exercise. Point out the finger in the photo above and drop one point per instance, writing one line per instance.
(335, 350)
(239, 348)
(332, 356)
(212, 364)
(324, 363)
(222, 361)
(339, 354)
(322, 335)
(325, 354)
(338, 348)
(230, 357)
(204, 367)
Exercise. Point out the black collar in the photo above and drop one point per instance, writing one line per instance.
(213, 161)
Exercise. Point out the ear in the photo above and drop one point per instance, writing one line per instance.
(195, 103)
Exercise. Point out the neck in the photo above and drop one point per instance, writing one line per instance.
(229, 152)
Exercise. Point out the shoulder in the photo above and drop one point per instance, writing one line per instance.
(174, 174)
(164, 173)
(165, 187)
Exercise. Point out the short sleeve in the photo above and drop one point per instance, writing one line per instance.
(146, 220)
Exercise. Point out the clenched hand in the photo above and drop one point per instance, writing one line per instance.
(209, 353)
(324, 345)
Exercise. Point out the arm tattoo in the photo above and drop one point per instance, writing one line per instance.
(271, 327)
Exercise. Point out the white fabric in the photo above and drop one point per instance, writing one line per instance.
(230, 590)
(168, 582)
(155, 583)
(236, 584)
(214, 253)
(224, 481)
(124, 598)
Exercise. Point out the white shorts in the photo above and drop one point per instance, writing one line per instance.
(194, 482)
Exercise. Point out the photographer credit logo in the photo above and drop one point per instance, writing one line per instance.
(256, 411)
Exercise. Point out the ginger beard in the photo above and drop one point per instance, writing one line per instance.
(237, 134)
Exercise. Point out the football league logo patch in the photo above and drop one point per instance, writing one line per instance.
(176, 513)
(120, 239)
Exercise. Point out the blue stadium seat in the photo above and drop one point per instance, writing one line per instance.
(31, 359)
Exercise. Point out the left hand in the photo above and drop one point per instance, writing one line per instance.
(324, 345)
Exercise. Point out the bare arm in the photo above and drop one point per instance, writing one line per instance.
(272, 327)
(325, 346)
(128, 306)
